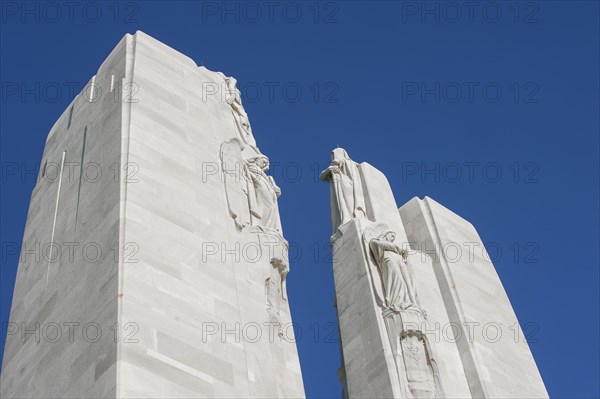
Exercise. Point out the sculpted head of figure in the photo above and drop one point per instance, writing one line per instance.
(388, 236)
(261, 162)
(339, 154)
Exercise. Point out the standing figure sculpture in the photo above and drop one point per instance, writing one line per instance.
(346, 192)
(251, 193)
(399, 292)
(234, 99)
(263, 200)
(403, 316)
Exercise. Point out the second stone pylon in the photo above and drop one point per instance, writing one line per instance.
(415, 323)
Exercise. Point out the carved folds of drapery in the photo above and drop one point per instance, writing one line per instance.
(252, 197)
(233, 97)
(251, 193)
(347, 198)
(404, 318)
(392, 282)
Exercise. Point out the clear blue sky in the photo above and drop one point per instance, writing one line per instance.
(499, 87)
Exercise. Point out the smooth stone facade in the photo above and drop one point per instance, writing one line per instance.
(496, 358)
(197, 299)
(414, 323)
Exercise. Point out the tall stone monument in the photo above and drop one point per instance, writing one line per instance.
(421, 310)
(153, 262)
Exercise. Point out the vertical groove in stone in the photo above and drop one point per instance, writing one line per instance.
(80, 177)
(62, 164)
(70, 117)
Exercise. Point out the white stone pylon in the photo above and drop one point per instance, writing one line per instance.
(405, 316)
(167, 278)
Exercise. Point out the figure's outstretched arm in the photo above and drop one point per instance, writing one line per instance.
(329, 172)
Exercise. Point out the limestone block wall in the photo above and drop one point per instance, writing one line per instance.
(439, 329)
(60, 340)
(496, 364)
(381, 204)
(197, 293)
(369, 367)
(186, 302)
(415, 323)
(368, 361)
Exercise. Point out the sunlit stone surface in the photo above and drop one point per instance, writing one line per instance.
(193, 262)
(422, 312)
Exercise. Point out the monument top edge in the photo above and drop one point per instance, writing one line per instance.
(138, 36)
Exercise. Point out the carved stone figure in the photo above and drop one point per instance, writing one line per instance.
(275, 290)
(263, 199)
(347, 198)
(251, 193)
(404, 319)
(233, 97)
(399, 292)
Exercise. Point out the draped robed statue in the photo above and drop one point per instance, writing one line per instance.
(263, 201)
(233, 97)
(347, 198)
(251, 193)
(395, 292)
(399, 292)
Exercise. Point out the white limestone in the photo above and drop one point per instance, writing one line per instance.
(407, 319)
(496, 358)
(155, 165)
(194, 262)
